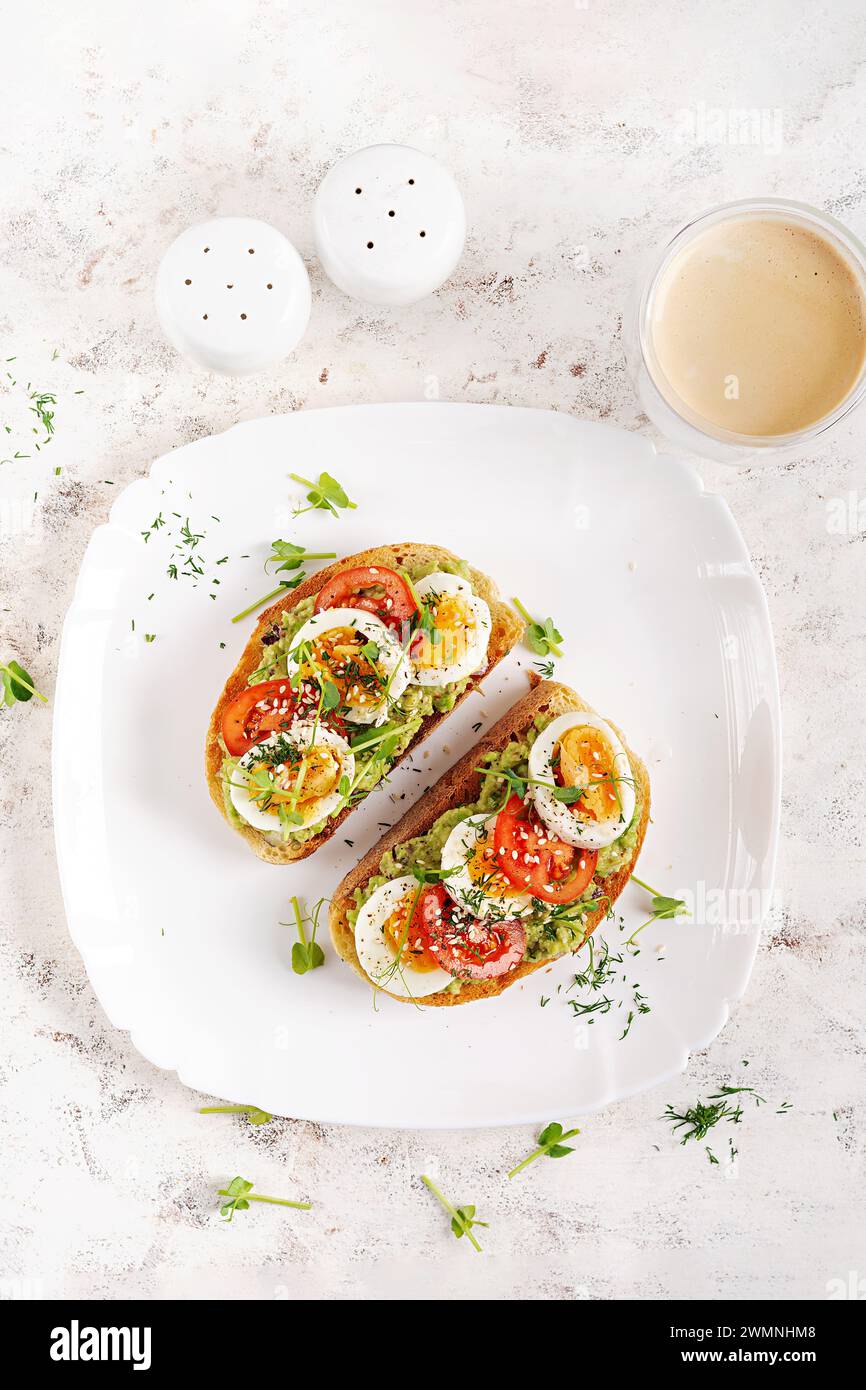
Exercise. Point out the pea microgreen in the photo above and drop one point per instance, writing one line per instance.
(569, 796)
(462, 1218)
(326, 494)
(252, 1112)
(306, 955)
(663, 908)
(330, 696)
(369, 738)
(285, 555)
(240, 1193)
(17, 685)
(542, 638)
(550, 1145)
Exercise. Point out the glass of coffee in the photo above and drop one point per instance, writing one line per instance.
(749, 332)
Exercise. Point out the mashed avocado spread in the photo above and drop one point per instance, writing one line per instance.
(415, 705)
(548, 933)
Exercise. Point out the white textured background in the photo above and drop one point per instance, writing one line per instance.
(563, 123)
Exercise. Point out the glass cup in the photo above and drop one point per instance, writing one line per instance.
(668, 412)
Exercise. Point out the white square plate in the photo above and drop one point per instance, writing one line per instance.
(666, 632)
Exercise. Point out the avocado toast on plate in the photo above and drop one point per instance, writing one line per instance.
(510, 861)
(339, 681)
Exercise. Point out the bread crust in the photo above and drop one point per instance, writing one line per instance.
(506, 631)
(461, 786)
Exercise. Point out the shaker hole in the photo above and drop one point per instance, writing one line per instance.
(422, 233)
(357, 190)
(391, 213)
(243, 316)
(270, 286)
(411, 180)
(187, 282)
(251, 251)
(369, 245)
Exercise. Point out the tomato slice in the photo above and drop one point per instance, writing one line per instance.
(464, 945)
(561, 874)
(258, 711)
(372, 588)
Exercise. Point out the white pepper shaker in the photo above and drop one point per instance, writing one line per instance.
(389, 224)
(233, 295)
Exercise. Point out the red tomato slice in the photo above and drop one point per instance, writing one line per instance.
(373, 588)
(562, 873)
(251, 716)
(465, 946)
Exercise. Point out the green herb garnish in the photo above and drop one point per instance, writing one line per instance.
(662, 908)
(252, 1112)
(361, 742)
(17, 685)
(462, 1218)
(306, 955)
(286, 556)
(569, 796)
(431, 875)
(549, 1144)
(330, 695)
(700, 1118)
(240, 1193)
(41, 401)
(326, 495)
(542, 638)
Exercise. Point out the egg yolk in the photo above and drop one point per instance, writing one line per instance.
(341, 656)
(414, 955)
(481, 868)
(305, 783)
(454, 629)
(586, 759)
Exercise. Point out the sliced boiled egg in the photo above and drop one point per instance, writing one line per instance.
(457, 646)
(476, 884)
(380, 929)
(579, 750)
(357, 653)
(300, 770)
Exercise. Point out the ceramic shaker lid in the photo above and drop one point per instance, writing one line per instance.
(389, 224)
(233, 295)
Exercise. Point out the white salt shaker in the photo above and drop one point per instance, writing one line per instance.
(389, 224)
(233, 295)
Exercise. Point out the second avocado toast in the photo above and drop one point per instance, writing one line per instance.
(509, 861)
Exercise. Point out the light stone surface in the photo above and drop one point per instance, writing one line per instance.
(566, 125)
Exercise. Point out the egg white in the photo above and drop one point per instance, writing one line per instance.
(300, 733)
(457, 850)
(469, 655)
(374, 951)
(393, 663)
(561, 819)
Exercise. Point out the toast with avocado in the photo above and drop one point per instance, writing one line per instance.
(339, 681)
(508, 862)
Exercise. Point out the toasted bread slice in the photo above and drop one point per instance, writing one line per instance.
(459, 787)
(506, 630)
